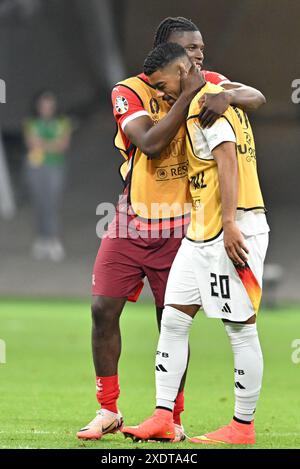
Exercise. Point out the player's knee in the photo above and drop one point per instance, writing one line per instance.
(175, 321)
(104, 312)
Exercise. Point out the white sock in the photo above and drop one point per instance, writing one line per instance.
(248, 364)
(171, 355)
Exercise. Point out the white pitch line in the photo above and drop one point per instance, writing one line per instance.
(279, 434)
(33, 432)
(271, 434)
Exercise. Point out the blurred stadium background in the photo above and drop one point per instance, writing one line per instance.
(79, 50)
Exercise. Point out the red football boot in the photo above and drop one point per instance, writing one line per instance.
(234, 434)
(159, 427)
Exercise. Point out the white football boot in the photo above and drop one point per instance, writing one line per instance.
(104, 422)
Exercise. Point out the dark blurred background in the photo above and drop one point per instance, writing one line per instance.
(79, 49)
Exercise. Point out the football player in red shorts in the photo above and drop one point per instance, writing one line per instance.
(140, 243)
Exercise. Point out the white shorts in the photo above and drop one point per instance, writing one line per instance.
(204, 275)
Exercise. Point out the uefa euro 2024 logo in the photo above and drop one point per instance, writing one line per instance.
(2, 92)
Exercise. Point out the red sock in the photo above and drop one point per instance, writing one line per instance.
(179, 408)
(108, 391)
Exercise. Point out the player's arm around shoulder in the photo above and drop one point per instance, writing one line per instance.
(244, 96)
(215, 104)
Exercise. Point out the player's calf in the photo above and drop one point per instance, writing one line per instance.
(248, 368)
(106, 338)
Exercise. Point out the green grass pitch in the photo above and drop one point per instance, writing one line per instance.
(48, 391)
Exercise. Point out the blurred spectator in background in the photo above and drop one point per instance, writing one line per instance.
(47, 138)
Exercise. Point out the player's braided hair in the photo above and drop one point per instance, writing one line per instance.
(169, 25)
(161, 56)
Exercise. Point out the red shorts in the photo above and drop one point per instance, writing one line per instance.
(122, 263)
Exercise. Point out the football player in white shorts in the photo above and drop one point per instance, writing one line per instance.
(219, 266)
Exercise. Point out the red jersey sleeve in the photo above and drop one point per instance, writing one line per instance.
(215, 78)
(126, 105)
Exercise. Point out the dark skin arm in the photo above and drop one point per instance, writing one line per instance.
(235, 94)
(243, 96)
(153, 139)
(226, 159)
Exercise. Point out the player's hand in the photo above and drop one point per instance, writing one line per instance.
(235, 244)
(212, 107)
(192, 81)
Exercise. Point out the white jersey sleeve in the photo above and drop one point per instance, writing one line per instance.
(205, 140)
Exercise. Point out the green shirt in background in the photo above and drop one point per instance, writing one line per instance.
(48, 131)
